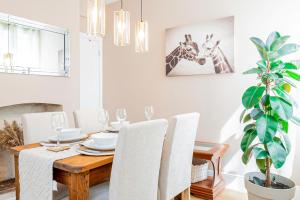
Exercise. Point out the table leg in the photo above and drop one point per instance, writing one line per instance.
(79, 186)
(17, 183)
(216, 170)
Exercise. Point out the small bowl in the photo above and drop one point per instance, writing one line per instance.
(118, 125)
(104, 138)
(69, 133)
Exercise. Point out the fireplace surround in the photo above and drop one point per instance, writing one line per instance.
(9, 114)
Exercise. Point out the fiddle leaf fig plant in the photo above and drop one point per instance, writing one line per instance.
(269, 106)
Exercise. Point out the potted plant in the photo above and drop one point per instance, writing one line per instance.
(267, 114)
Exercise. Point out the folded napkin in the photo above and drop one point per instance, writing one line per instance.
(36, 172)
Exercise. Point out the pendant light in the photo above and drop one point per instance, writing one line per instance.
(8, 57)
(141, 34)
(121, 27)
(96, 17)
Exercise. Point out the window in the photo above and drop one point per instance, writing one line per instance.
(29, 47)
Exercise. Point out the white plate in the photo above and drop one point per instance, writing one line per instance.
(100, 153)
(75, 138)
(92, 145)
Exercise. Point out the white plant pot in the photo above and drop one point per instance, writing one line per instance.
(256, 192)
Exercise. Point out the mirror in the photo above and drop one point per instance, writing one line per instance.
(29, 47)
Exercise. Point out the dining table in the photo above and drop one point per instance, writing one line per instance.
(78, 173)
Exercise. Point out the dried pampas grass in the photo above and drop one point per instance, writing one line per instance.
(11, 135)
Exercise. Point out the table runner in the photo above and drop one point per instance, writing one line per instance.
(36, 172)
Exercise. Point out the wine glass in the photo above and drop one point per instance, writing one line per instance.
(149, 112)
(103, 118)
(121, 115)
(58, 122)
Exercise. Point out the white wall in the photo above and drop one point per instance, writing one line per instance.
(134, 80)
(45, 89)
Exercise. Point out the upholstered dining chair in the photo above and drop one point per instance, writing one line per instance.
(87, 120)
(37, 126)
(176, 164)
(135, 169)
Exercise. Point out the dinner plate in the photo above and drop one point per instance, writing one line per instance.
(69, 139)
(95, 153)
(92, 145)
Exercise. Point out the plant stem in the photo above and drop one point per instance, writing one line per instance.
(268, 180)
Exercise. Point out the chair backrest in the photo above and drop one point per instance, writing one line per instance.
(87, 120)
(137, 160)
(176, 164)
(37, 126)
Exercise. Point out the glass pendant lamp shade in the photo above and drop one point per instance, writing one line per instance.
(121, 27)
(96, 17)
(141, 37)
(141, 34)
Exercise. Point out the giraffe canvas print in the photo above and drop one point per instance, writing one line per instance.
(204, 48)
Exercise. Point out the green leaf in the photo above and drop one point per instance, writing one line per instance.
(284, 126)
(256, 113)
(272, 38)
(288, 49)
(261, 164)
(248, 127)
(283, 108)
(276, 65)
(261, 47)
(253, 71)
(259, 153)
(289, 82)
(252, 96)
(247, 118)
(295, 120)
(266, 127)
(286, 143)
(242, 115)
(277, 154)
(262, 64)
(247, 155)
(289, 66)
(279, 42)
(248, 138)
(293, 75)
(286, 87)
(282, 93)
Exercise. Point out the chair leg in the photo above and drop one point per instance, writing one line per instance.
(185, 195)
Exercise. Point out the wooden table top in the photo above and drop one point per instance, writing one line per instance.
(75, 164)
(213, 149)
(81, 163)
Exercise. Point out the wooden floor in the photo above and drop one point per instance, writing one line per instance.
(228, 195)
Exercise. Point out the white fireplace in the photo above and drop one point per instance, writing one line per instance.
(12, 113)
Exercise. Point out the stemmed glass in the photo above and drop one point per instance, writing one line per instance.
(58, 122)
(103, 118)
(121, 115)
(149, 112)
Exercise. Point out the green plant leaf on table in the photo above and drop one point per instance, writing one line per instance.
(284, 50)
(242, 115)
(256, 113)
(266, 127)
(247, 118)
(295, 120)
(252, 96)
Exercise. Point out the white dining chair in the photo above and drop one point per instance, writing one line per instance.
(176, 164)
(87, 120)
(135, 169)
(37, 126)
